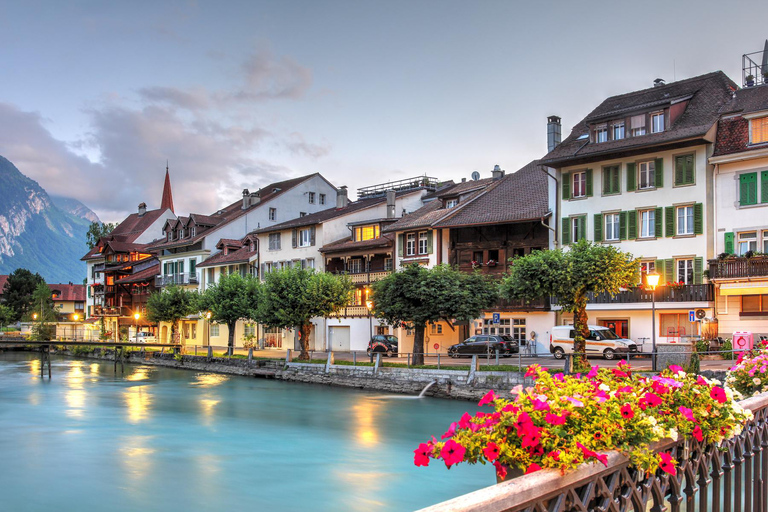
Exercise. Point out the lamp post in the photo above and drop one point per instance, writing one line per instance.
(652, 280)
(75, 318)
(369, 305)
(136, 317)
(208, 329)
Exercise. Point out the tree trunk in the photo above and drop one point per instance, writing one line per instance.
(418, 344)
(304, 329)
(231, 338)
(581, 326)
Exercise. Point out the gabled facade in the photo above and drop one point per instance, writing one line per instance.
(740, 159)
(634, 174)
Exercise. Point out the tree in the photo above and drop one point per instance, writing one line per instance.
(18, 290)
(42, 307)
(416, 295)
(6, 315)
(293, 296)
(97, 230)
(570, 276)
(233, 298)
(171, 305)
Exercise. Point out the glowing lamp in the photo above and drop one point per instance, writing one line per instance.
(652, 280)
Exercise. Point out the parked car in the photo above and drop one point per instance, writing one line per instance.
(384, 343)
(144, 337)
(485, 344)
(601, 341)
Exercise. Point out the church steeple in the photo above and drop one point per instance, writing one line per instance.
(167, 200)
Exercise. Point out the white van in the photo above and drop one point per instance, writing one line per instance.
(601, 341)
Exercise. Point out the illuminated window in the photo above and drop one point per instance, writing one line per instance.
(758, 132)
(366, 233)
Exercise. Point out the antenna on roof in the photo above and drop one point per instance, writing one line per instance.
(475, 175)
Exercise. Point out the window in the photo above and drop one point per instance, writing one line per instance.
(322, 198)
(436, 328)
(355, 265)
(302, 214)
(758, 130)
(274, 241)
(684, 173)
(685, 220)
(423, 249)
(611, 180)
(747, 242)
(214, 330)
(578, 228)
(618, 131)
(310, 263)
(249, 330)
(748, 188)
(647, 174)
(579, 184)
(657, 122)
(451, 203)
(754, 303)
(601, 133)
(637, 125)
(676, 325)
(647, 223)
(273, 214)
(305, 237)
(765, 242)
(387, 264)
(367, 233)
(79, 306)
(311, 198)
(410, 244)
(518, 328)
(192, 231)
(611, 226)
(685, 271)
(646, 267)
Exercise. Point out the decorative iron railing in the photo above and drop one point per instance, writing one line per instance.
(710, 478)
(175, 279)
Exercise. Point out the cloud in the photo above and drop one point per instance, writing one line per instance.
(298, 146)
(191, 100)
(268, 77)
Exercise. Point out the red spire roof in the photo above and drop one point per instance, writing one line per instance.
(167, 200)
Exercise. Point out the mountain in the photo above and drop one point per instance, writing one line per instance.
(75, 207)
(36, 234)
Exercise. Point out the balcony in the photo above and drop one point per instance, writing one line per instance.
(352, 311)
(736, 268)
(178, 279)
(111, 311)
(683, 293)
(521, 305)
(367, 277)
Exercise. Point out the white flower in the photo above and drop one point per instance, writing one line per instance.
(652, 420)
(604, 387)
(673, 434)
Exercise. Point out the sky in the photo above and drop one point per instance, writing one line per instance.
(96, 97)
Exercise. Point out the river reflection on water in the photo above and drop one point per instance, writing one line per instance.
(176, 440)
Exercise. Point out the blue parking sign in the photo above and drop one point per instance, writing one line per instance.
(496, 318)
(691, 316)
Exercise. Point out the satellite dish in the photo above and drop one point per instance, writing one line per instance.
(700, 313)
(475, 175)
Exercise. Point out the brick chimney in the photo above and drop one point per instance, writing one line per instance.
(142, 209)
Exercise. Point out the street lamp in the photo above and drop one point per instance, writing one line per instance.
(75, 318)
(208, 328)
(369, 305)
(652, 280)
(136, 317)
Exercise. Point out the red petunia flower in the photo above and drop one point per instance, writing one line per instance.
(652, 400)
(687, 413)
(451, 431)
(422, 455)
(487, 399)
(556, 419)
(501, 471)
(533, 468)
(452, 453)
(626, 412)
(491, 451)
(698, 434)
(667, 463)
(718, 393)
(465, 420)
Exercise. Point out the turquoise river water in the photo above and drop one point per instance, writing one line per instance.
(157, 439)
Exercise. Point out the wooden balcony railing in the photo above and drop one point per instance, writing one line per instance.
(520, 305)
(734, 268)
(352, 311)
(684, 293)
(711, 477)
(366, 277)
(111, 311)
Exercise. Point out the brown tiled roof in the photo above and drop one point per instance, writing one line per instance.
(69, 292)
(229, 242)
(747, 100)
(706, 93)
(133, 225)
(205, 220)
(347, 244)
(141, 275)
(516, 197)
(3, 280)
(92, 254)
(241, 255)
(733, 129)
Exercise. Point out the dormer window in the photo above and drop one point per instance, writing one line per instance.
(618, 130)
(192, 231)
(758, 130)
(637, 124)
(657, 122)
(183, 231)
(601, 133)
(451, 203)
(366, 233)
(168, 236)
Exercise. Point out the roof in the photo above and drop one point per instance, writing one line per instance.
(69, 291)
(705, 94)
(347, 244)
(516, 197)
(167, 200)
(141, 275)
(242, 255)
(127, 231)
(3, 280)
(733, 129)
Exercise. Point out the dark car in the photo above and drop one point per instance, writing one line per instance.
(384, 343)
(485, 344)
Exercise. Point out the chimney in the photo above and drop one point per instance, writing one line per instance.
(255, 198)
(658, 82)
(142, 209)
(554, 132)
(391, 204)
(245, 198)
(463, 180)
(497, 173)
(341, 197)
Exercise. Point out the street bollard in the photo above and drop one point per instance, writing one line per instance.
(409, 360)
(378, 363)
(567, 369)
(210, 353)
(250, 355)
(497, 357)
(438, 360)
(354, 358)
(287, 356)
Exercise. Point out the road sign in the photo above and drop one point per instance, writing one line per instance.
(691, 316)
(496, 318)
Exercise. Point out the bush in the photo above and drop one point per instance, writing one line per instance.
(750, 374)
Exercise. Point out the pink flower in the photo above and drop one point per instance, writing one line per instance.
(626, 412)
(422, 454)
(533, 371)
(697, 434)
(555, 454)
(667, 463)
(451, 431)
(523, 423)
(555, 419)
(619, 373)
(465, 420)
(531, 437)
(652, 400)
(589, 454)
(501, 471)
(559, 377)
(452, 453)
(593, 372)
(540, 405)
(675, 368)
(575, 402)
(510, 408)
(718, 393)
(533, 468)
(487, 399)
(686, 412)
(491, 451)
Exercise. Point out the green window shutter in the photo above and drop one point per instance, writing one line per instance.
(748, 188)
(294, 236)
(669, 221)
(429, 242)
(764, 186)
(181, 267)
(611, 183)
(89, 292)
(631, 176)
(312, 235)
(659, 172)
(658, 218)
(729, 242)
(598, 227)
(617, 179)
(192, 265)
(698, 218)
(566, 225)
(606, 181)
(622, 225)
(589, 182)
(400, 244)
(660, 269)
(582, 227)
(698, 268)
(566, 183)
(669, 271)
(684, 171)
(632, 224)
(679, 170)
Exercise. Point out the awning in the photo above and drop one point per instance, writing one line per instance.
(747, 288)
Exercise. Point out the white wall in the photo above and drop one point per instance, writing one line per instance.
(155, 230)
